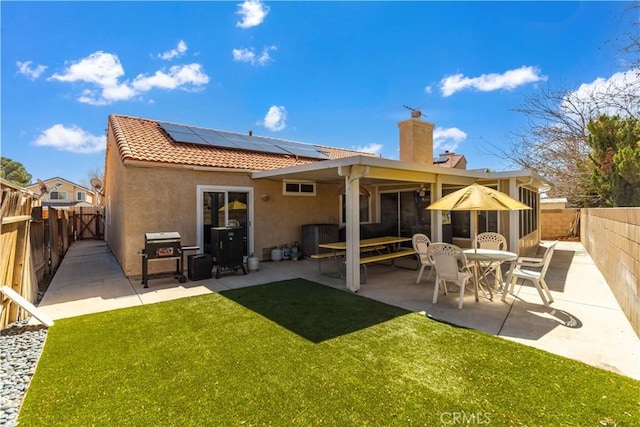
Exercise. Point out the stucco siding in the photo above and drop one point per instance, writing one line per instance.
(154, 199)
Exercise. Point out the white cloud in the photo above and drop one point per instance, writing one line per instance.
(608, 93)
(102, 71)
(31, 71)
(174, 53)
(249, 56)
(428, 89)
(490, 82)
(276, 118)
(253, 13)
(244, 55)
(178, 76)
(447, 139)
(72, 139)
(373, 148)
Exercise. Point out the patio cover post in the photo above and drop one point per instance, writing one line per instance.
(514, 224)
(352, 222)
(436, 216)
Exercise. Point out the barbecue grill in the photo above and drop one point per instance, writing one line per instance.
(164, 246)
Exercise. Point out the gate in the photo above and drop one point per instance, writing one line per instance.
(88, 224)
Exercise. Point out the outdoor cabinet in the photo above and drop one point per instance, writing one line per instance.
(315, 234)
(227, 246)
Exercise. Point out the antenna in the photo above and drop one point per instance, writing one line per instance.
(415, 112)
(96, 183)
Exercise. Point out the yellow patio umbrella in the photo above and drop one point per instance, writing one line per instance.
(233, 206)
(476, 197)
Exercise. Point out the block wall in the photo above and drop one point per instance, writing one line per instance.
(612, 238)
(556, 223)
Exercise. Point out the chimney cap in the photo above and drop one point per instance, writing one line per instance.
(415, 114)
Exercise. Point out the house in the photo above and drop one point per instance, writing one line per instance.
(162, 176)
(64, 194)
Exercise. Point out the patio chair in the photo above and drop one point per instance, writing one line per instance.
(536, 277)
(451, 266)
(420, 244)
(496, 241)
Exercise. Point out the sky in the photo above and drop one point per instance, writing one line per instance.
(339, 74)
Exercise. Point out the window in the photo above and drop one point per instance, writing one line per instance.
(487, 221)
(290, 188)
(529, 217)
(364, 209)
(58, 195)
(460, 220)
(81, 196)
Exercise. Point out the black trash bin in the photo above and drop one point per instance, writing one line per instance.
(200, 267)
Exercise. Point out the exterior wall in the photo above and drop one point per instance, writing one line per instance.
(556, 223)
(612, 238)
(114, 201)
(528, 243)
(153, 199)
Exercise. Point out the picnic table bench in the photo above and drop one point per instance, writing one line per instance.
(385, 248)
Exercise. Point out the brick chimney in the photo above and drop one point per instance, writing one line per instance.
(416, 140)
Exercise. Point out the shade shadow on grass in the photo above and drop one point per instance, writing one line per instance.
(311, 310)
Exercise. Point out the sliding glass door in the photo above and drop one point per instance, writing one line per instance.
(224, 207)
(406, 209)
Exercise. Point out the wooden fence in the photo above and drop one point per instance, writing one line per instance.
(32, 245)
(16, 270)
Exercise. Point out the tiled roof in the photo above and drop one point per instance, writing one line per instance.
(453, 160)
(144, 140)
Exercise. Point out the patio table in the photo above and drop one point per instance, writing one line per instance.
(385, 248)
(480, 256)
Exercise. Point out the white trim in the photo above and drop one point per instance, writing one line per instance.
(285, 182)
(201, 189)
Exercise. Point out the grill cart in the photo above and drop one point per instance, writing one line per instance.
(164, 246)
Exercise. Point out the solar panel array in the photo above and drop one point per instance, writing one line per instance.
(222, 139)
(441, 159)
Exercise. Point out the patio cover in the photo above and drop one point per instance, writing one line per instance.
(352, 172)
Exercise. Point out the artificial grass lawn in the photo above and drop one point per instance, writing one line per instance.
(299, 353)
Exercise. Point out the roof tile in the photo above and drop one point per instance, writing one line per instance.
(144, 140)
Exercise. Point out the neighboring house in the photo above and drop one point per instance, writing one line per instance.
(161, 176)
(64, 194)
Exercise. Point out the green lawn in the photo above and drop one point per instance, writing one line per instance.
(299, 353)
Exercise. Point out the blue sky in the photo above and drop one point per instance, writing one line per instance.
(331, 73)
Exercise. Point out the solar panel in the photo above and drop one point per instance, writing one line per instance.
(270, 148)
(306, 152)
(217, 138)
(218, 141)
(170, 127)
(441, 159)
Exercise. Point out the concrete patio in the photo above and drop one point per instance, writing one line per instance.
(584, 323)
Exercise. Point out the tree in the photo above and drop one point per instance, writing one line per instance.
(14, 171)
(555, 140)
(615, 145)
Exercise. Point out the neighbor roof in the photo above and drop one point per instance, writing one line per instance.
(144, 140)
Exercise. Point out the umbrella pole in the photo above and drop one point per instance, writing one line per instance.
(475, 249)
